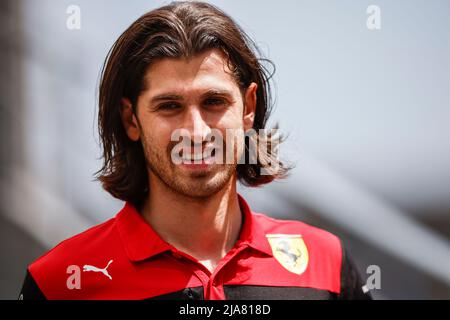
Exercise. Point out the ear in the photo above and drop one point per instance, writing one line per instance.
(250, 106)
(129, 120)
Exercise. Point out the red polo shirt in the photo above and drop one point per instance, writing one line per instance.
(124, 258)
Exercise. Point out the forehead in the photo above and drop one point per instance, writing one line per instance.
(203, 71)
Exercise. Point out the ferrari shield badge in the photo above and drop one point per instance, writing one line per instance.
(290, 251)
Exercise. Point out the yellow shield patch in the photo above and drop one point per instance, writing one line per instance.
(290, 251)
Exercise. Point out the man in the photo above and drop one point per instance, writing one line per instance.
(187, 70)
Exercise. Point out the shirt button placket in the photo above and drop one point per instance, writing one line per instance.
(215, 291)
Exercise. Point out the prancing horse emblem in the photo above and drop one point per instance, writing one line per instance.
(290, 251)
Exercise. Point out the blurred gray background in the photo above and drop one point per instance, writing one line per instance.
(367, 113)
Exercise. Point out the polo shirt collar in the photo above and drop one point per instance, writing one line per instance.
(252, 231)
(142, 242)
(138, 237)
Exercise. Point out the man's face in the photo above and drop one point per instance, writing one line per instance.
(198, 95)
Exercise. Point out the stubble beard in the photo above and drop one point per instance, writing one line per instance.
(198, 184)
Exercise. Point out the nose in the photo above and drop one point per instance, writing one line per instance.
(196, 125)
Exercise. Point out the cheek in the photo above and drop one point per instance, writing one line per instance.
(156, 135)
(231, 119)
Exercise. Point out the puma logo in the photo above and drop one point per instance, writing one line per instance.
(87, 267)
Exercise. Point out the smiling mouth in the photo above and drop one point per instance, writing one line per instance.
(197, 157)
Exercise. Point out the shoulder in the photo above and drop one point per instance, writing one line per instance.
(78, 246)
(315, 238)
(317, 253)
(51, 270)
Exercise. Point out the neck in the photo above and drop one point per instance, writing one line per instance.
(205, 228)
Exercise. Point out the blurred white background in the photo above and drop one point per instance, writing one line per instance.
(367, 113)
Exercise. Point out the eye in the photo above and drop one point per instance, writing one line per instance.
(215, 102)
(169, 106)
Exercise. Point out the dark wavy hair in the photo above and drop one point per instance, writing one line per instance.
(177, 30)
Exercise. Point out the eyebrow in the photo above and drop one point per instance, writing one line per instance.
(176, 96)
(166, 96)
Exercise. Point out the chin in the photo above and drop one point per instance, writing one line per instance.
(204, 188)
